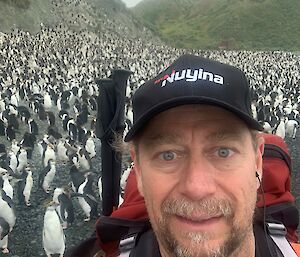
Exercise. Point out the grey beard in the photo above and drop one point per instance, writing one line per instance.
(210, 207)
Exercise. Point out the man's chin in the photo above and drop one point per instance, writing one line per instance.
(187, 243)
(199, 243)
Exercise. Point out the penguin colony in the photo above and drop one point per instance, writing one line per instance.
(48, 150)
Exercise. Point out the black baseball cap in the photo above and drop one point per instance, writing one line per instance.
(193, 80)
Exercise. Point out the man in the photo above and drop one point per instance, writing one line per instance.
(198, 162)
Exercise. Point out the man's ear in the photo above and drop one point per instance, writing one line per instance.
(137, 170)
(259, 157)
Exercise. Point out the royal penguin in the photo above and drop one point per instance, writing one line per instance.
(7, 209)
(90, 147)
(53, 234)
(86, 197)
(4, 231)
(65, 208)
(33, 127)
(12, 161)
(28, 143)
(3, 155)
(15, 147)
(125, 176)
(100, 187)
(47, 102)
(49, 154)
(22, 159)
(5, 185)
(42, 145)
(51, 118)
(62, 151)
(84, 159)
(77, 177)
(10, 132)
(47, 175)
(280, 130)
(24, 186)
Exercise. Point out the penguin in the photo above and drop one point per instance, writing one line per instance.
(51, 118)
(84, 159)
(100, 188)
(90, 147)
(62, 151)
(82, 134)
(6, 186)
(77, 178)
(24, 186)
(47, 101)
(47, 175)
(65, 208)
(33, 127)
(53, 234)
(291, 127)
(124, 177)
(14, 100)
(15, 146)
(23, 113)
(86, 197)
(12, 120)
(12, 161)
(65, 119)
(4, 231)
(10, 132)
(14, 110)
(7, 210)
(22, 159)
(72, 129)
(53, 131)
(280, 130)
(49, 154)
(28, 143)
(3, 125)
(42, 145)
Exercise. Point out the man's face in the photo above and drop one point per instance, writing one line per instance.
(196, 169)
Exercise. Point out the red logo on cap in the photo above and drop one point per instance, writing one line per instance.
(164, 77)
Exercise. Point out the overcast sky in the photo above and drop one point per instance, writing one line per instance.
(131, 3)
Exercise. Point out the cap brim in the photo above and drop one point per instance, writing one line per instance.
(146, 117)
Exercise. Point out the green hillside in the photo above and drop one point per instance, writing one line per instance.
(229, 24)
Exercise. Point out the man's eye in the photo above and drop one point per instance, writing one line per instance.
(224, 152)
(168, 156)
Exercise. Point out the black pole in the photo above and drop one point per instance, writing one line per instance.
(110, 121)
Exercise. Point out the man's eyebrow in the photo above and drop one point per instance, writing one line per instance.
(223, 135)
(220, 135)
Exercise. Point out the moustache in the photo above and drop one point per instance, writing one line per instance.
(201, 209)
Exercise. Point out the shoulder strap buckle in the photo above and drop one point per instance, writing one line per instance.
(277, 232)
(126, 245)
(276, 229)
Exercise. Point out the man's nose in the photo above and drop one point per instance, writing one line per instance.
(197, 179)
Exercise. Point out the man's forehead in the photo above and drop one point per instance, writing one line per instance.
(195, 112)
(235, 133)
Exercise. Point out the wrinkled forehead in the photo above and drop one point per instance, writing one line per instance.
(217, 122)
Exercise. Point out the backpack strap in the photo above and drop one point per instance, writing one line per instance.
(277, 232)
(274, 151)
(126, 245)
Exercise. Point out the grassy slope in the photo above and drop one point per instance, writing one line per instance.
(241, 24)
